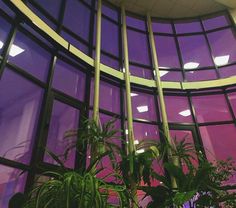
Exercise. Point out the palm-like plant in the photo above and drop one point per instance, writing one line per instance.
(203, 184)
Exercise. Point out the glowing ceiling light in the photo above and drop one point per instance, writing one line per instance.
(142, 109)
(185, 113)
(15, 50)
(221, 60)
(1, 44)
(140, 151)
(126, 131)
(136, 142)
(191, 65)
(163, 73)
(146, 133)
(133, 94)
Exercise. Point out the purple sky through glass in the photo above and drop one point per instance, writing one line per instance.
(162, 26)
(109, 97)
(64, 118)
(178, 109)
(138, 47)
(18, 116)
(77, 18)
(69, 80)
(189, 26)
(12, 181)
(194, 49)
(223, 46)
(211, 108)
(166, 52)
(32, 58)
(215, 22)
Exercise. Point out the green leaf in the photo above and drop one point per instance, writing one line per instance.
(181, 197)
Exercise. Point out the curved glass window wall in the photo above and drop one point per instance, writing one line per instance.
(45, 90)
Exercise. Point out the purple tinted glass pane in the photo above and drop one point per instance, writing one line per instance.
(194, 49)
(64, 118)
(143, 131)
(216, 22)
(28, 55)
(4, 30)
(12, 182)
(136, 23)
(77, 18)
(107, 60)
(69, 80)
(36, 34)
(167, 52)
(42, 16)
(172, 76)
(19, 109)
(178, 109)
(162, 27)
(211, 108)
(78, 44)
(192, 76)
(141, 72)
(188, 27)
(232, 99)
(143, 106)
(110, 43)
(219, 141)
(223, 45)
(6, 9)
(227, 71)
(138, 47)
(109, 97)
(109, 12)
(50, 6)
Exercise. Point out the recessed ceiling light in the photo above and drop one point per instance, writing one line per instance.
(140, 151)
(221, 60)
(185, 113)
(1, 44)
(163, 73)
(133, 94)
(136, 141)
(15, 50)
(191, 65)
(142, 109)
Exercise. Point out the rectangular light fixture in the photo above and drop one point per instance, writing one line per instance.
(136, 141)
(163, 73)
(133, 94)
(191, 65)
(14, 51)
(221, 60)
(185, 113)
(142, 109)
(1, 44)
(140, 151)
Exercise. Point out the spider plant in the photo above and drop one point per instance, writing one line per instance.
(83, 188)
(70, 189)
